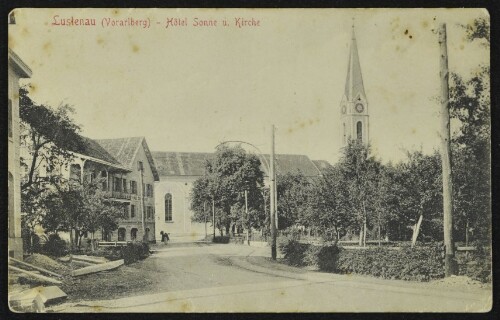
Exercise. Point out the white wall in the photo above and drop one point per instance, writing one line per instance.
(181, 224)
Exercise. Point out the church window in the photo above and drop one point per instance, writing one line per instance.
(168, 207)
(359, 131)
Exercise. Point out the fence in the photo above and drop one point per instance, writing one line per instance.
(112, 243)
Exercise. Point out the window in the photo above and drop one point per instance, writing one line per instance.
(149, 212)
(125, 210)
(9, 111)
(168, 207)
(133, 187)
(104, 183)
(359, 131)
(132, 211)
(124, 184)
(140, 166)
(149, 190)
(117, 184)
(121, 234)
(133, 234)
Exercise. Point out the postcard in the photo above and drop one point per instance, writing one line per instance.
(249, 160)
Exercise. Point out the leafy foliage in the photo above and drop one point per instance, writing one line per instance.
(227, 176)
(55, 246)
(420, 263)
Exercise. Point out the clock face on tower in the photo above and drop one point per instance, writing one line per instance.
(359, 108)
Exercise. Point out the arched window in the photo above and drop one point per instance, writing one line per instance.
(168, 207)
(122, 234)
(133, 234)
(359, 131)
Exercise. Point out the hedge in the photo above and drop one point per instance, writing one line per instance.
(419, 263)
(220, 239)
(132, 252)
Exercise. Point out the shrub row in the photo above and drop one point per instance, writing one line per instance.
(220, 239)
(419, 263)
(132, 252)
(476, 264)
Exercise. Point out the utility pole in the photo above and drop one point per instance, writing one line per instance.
(272, 185)
(450, 263)
(205, 213)
(213, 215)
(248, 218)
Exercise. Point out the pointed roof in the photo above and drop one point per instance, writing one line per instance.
(125, 150)
(354, 81)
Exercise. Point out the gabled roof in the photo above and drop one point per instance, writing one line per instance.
(322, 165)
(181, 163)
(124, 150)
(93, 149)
(193, 163)
(354, 81)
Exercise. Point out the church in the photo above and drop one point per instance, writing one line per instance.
(178, 170)
(354, 105)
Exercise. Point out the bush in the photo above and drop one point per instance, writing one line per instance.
(476, 264)
(328, 256)
(293, 251)
(55, 246)
(420, 263)
(134, 251)
(220, 239)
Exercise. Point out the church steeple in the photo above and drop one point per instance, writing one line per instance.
(354, 81)
(354, 105)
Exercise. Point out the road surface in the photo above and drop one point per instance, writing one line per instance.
(198, 277)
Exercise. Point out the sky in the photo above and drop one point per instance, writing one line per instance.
(189, 88)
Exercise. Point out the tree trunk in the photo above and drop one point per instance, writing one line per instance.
(467, 233)
(71, 239)
(364, 232)
(416, 230)
(92, 243)
(361, 236)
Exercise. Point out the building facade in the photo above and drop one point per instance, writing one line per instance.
(179, 170)
(125, 170)
(133, 188)
(354, 105)
(17, 69)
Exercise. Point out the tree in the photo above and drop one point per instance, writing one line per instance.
(360, 171)
(419, 192)
(470, 106)
(80, 208)
(227, 176)
(293, 192)
(329, 206)
(49, 136)
(99, 213)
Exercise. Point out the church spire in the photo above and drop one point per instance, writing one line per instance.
(354, 82)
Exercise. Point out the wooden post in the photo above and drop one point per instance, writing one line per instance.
(450, 263)
(272, 186)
